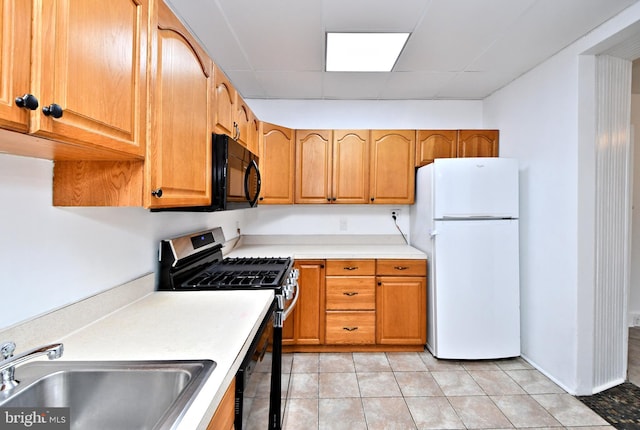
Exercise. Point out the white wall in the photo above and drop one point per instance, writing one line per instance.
(538, 118)
(53, 256)
(370, 114)
(326, 219)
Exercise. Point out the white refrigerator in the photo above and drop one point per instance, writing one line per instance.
(465, 218)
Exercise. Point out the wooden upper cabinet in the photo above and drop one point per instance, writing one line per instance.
(392, 166)
(350, 176)
(84, 66)
(15, 42)
(225, 104)
(478, 143)
(243, 121)
(432, 144)
(277, 163)
(313, 166)
(179, 158)
(253, 140)
(90, 59)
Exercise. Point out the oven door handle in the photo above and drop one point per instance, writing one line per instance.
(293, 304)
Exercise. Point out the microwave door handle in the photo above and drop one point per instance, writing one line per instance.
(252, 201)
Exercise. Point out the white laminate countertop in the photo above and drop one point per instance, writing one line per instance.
(325, 247)
(215, 325)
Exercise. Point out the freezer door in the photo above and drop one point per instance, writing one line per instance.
(475, 188)
(475, 287)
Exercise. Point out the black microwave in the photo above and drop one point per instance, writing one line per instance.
(235, 178)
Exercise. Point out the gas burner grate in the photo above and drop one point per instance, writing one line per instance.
(227, 279)
(251, 261)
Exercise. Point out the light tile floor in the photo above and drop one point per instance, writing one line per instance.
(408, 391)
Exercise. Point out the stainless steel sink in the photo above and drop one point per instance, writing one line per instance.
(116, 395)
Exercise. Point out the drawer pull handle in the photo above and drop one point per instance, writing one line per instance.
(400, 267)
(350, 293)
(351, 268)
(350, 328)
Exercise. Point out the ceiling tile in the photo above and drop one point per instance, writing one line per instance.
(275, 49)
(455, 32)
(473, 85)
(543, 31)
(415, 85)
(286, 36)
(353, 85)
(290, 85)
(372, 15)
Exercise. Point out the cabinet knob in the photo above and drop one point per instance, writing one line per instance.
(328, 199)
(350, 268)
(372, 198)
(27, 101)
(261, 198)
(400, 267)
(350, 328)
(157, 193)
(53, 110)
(333, 199)
(350, 293)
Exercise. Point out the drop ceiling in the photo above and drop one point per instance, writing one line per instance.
(458, 49)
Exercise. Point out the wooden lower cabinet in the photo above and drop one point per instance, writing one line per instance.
(359, 305)
(401, 310)
(355, 327)
(225, 414)
(350, 302)
(305, 326)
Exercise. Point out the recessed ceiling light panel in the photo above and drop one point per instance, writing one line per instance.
(363, 52)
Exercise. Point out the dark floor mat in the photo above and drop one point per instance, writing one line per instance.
(619, 405)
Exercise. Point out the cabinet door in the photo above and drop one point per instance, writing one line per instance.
(277, 161)
(309, 311)
(253, 140)
(179, 160)
(225, 414)
(478, 143)
(243, 121)
(432, 144)
(393, 166)
(15, 42)
(350, 166)
(401, 310)
(313, 166)
(90, 57)
(225, 104)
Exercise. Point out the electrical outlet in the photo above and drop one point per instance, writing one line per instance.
(636, 321)
(395, 212)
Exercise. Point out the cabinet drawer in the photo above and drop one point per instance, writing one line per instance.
(351, 293)
(402, 267)
(351, 327)
(351, 267)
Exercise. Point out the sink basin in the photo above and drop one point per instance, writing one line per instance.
(116, 395)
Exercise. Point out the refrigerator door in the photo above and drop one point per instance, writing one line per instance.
(475, 290)
(475, 188)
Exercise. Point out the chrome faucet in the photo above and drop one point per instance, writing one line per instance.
(9, 361)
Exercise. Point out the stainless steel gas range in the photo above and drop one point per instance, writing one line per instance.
(195, 262)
